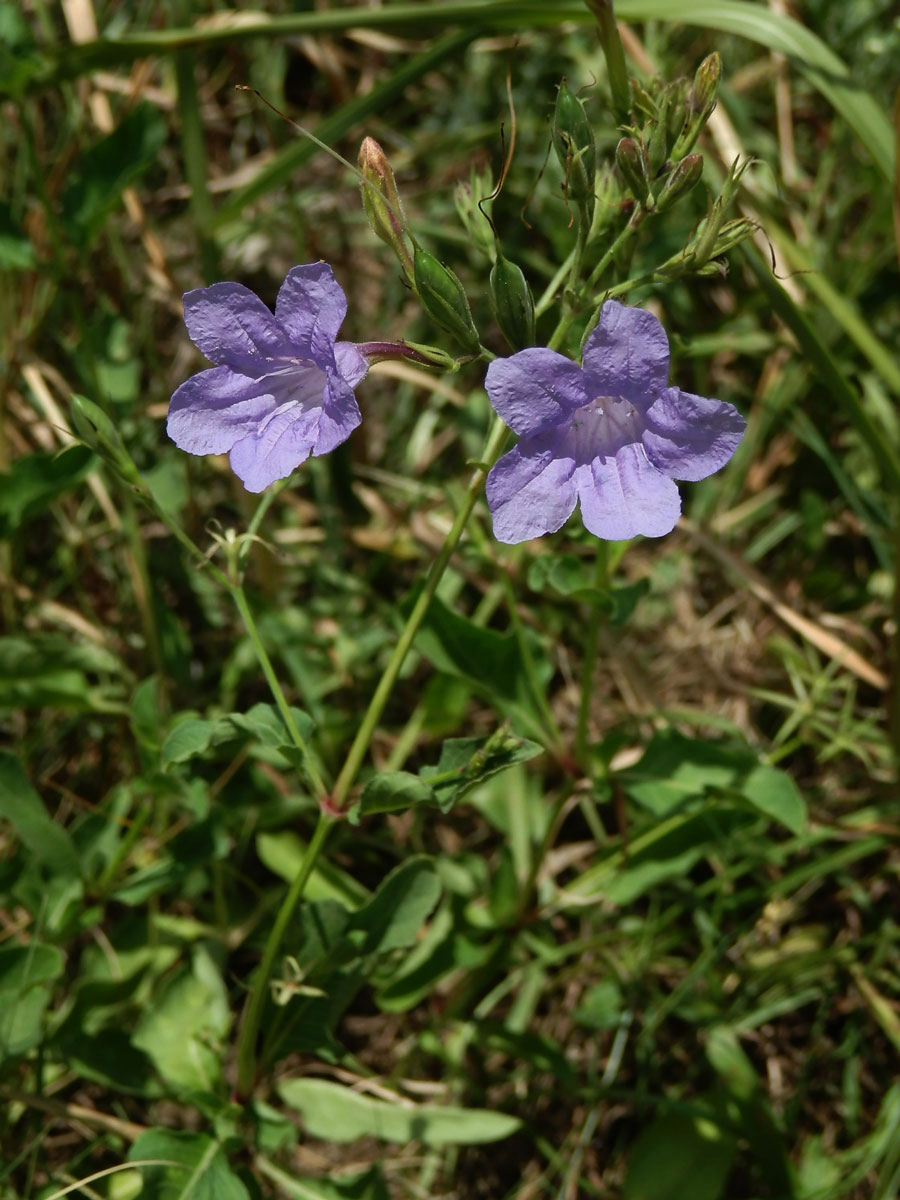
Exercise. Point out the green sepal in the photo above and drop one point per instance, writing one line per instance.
(444, 299)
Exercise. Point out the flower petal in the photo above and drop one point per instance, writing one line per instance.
(231, 325)
(625, 495)
(627, 355)
(534, 390)
(351, 362)
(531, 491)
(340, 415)
(276, 448)
(690, 437)
(311, 306)
(214, 408)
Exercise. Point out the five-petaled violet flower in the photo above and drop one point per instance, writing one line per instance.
(610, 434)
(282, 387)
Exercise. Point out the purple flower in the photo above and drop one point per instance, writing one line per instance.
(610, 434)
(282, 387)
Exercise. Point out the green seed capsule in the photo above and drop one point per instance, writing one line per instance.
(444, 299)
(573, 141)
(632, 163)
(513, 303)
(681, 179)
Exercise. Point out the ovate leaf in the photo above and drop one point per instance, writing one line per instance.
(23, 808)
(201, 1170)
(342, 1115)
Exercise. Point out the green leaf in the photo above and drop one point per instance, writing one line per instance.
(203, 1175)
(342, 1115)
(398, 910)
(180, 1027)
(368, 1185)
(756, 1122)
(265, 722)
(466, 762)
(27, 975)
(394, 791)
(677, 1157)
(675, 769)
(20, 804)
(188, 739)
(52, 671)
(34, 481)
(283, 852)
(573, 577)
(490, 661)
(103, 171)
(110, 1058)
(667, 851)
(774, 793)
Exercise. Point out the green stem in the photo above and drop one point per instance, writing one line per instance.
(574, 262)
(614, 53)
(360, 745)
(309, 766)
(538, 692)
(193, 146)
(549, 293)
(628, 231)
(601, 581)
(246, 1050)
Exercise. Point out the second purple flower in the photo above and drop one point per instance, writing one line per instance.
(610, 435)
(282, 386)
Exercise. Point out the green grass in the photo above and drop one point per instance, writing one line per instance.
(614, 914)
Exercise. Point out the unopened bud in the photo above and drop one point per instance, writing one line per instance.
(573, 141)
(706, 84)
(702, 102)
(680, 180)
(513, 303)
(678, 110)
(635, 170)
(657, 140)
(466, 197)
(96, 430)
(444, 299)
(642, 100)
(381, 202)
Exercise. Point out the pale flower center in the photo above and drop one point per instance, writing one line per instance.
(603, 426)
(298, 384)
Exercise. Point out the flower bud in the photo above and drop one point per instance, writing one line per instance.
(97, 431)
(706, 84)
(678, 111)
(642, 100)
(513, 303)
(680, 180)
(702, 103)
(444, 299)
(657, 139)
(381, 201)
(635, 170)
(465, 198)
(573, 141)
